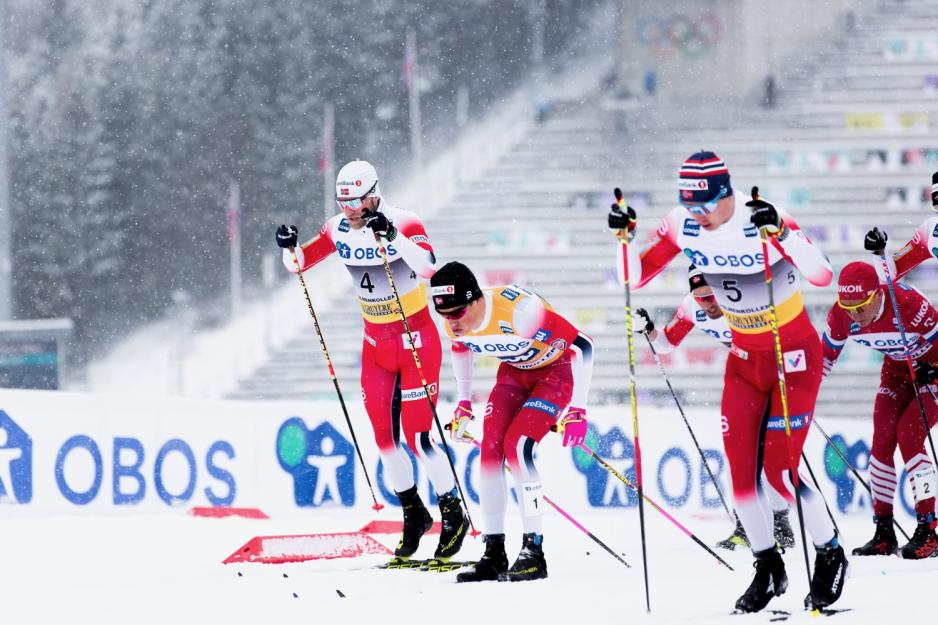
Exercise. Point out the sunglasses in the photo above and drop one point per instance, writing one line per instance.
(705, 299)
(358, 202)
(456, 313)
(857, 308)
(707, 207)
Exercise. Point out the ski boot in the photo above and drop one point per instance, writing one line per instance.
(737, 539)
(417, 522)
(492, 565)
(784, 536)
(530, 563)
(884, 541)
(769, 581)
(454, 525)
(924, 542)
(830, 573)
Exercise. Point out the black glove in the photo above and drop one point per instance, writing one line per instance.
(764, 214)
(618, 220)
(379, 224)
(875, 241)
(641, 321)
(934, 190)
(925, 373)
(286, 237)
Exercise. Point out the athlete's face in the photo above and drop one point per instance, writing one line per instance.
(718, 216)
(354, 215)
(863, 312)
(707, 301)
(463, 319)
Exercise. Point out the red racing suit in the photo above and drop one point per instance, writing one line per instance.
(897, 419)
(754, 436)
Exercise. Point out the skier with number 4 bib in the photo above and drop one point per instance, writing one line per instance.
(724, 242)
(546, 365)
(392, 388)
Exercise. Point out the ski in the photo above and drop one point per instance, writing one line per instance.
(433, 565)
(775, 616)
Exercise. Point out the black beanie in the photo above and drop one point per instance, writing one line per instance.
(453, 285)
(695, 277)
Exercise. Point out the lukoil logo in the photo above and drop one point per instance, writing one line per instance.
(321, 462)
(16, 462)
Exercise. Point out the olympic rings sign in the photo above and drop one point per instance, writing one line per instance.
(667, 37)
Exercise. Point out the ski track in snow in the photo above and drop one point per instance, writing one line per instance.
(162, 569)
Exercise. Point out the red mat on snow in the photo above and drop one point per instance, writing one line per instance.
(393, 527)
(218, 512)
(303, 547)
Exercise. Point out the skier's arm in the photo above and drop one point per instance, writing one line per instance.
(647, 261)
(311, 252)
(802, 252)
(462, 370)
(834, 337)
(413, 244)
(912, 254)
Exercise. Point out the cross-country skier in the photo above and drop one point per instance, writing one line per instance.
(391, 385)
(724, 242)
(864, 312)
(699, 309)
(546, 366)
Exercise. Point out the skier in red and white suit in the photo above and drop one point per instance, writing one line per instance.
(546, 366)
(723, 241)
(391, 385)
(864, 313)
(699, 309)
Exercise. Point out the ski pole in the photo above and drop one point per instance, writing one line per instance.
(782, 386)
(335, 380)
(703, 458)
(623, 236)
(423, 378)
(908, 354)
(653, 504)
(563, 513)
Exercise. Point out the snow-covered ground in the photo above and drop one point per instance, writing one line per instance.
(167, 569)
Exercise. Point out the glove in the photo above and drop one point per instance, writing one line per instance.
(286, 237)
(925, 373)
(764, 214)
(641, 322)
(574, 426)
(875, 241)
(462, 416)
(379, 224)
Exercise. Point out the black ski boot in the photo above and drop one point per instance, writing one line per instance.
(737, 539)
(924, 542)
(830, 573)
(530, 563)
(492, 565)
(454, 525)
(784, 536)
(769, 581)
(417, 522)
(884, 541)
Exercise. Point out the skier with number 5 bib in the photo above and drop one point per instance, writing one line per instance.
(392, 388)
(546, 366)
(723, 241)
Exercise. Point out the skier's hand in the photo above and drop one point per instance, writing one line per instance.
(574, 426)
(875, 241)
(641, 322)
(286, 237)
(462, 416)
(619, 220)
(925, 373)
(379, 224)
(764, 214)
